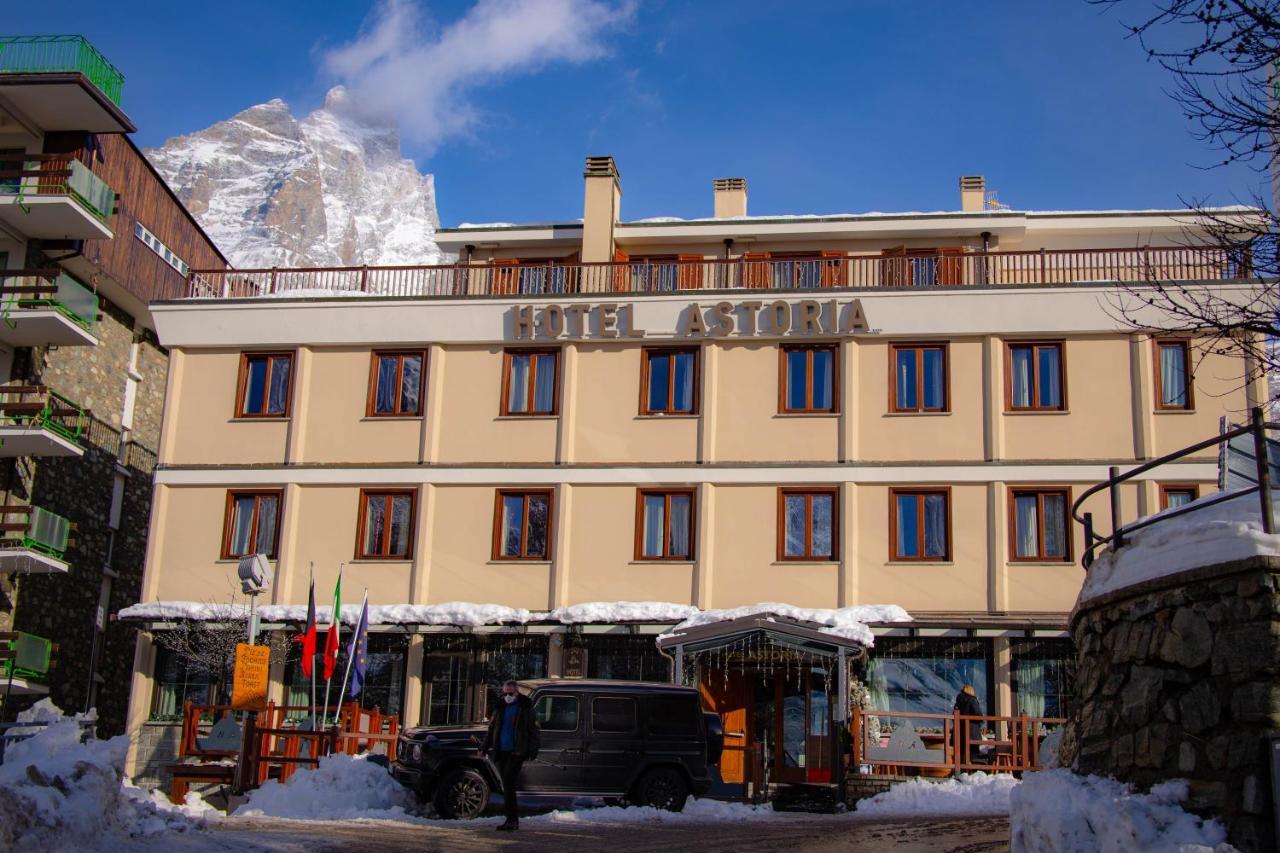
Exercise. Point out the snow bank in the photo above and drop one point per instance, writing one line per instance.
(847, 622)
(622, 611)
(58, 794)
(343, 787)
(1057, 811)
(695, 811)
(1231, 530)
(965, 794)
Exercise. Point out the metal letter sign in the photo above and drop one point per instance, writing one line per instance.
(249, 690)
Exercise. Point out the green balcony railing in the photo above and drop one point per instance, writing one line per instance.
(52, 54)
(56, 174)
(36, 406)
(35, 528)
(31, 659)
(47, 289)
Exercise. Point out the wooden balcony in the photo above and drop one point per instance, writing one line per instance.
(39, 307)
(1044, 268)
(54, 197)
(35, 421)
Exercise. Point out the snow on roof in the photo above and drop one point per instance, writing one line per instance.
(1224, 532)
(850, 623)
(621, 611)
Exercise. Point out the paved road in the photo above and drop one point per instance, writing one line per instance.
(791, 833)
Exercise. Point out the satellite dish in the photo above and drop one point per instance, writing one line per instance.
(255, 574)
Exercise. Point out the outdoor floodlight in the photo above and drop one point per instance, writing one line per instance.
(255, 574)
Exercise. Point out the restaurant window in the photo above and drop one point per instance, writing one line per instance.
(1039, 524)
(808, 379)
(1044, 673)
(670, 382)
(252, 524)
(265, 385)
(807, 524)
(1173, 375)
(921, 523)
(1035, 379)
(508, 658)
(179, 680)
(1173, 495)
(664, 524)
(522, 525)
(384, 678)
(922, 675)
(395, 384)
(621, 657)
(529, 382)
(386, 525)
(919, 378)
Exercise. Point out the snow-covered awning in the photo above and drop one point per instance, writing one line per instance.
(844, 627)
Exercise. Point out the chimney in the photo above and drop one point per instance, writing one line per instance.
(731, 197)
(973, 191)
(600, 208)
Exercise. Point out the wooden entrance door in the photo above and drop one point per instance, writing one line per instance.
(729, 698)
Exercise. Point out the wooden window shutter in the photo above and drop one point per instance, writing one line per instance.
(621, 274)
(755, 272)
(505, 275)
(689, 275)
(833, 270)
(950, 267)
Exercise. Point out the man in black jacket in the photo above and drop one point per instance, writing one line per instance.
(512, 737)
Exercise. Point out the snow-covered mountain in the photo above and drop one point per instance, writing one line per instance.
(329, 190)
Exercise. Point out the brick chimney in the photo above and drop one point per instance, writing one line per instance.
(973, 192)
(600, 208)
(731, 197)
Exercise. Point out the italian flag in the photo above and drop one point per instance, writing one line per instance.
(335, 627)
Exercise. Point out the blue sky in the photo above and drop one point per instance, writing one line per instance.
(824, 107)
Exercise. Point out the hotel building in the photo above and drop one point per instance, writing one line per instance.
(821, 411)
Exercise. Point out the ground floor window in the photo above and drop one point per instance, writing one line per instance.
(626, 658)
(1044, 674)
(923, 674)
(462, 674)
(180, 679)
(383, 682)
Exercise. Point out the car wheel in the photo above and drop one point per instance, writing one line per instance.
(662, 788)
(461, 794)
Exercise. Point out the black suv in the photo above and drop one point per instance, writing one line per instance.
(647, 744)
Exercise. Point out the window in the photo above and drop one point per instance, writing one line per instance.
(557, 713)
(179, 680)
(1173, 375)
(1035, 379)
(923, 675)
(808, 382)
(622, 657)
(395, 384)
(1173, 495)
(671, 716)
(1044, 672)
(386, 671)
(265, 385)
(153, 243)
(807, 524)
(386, 526)
(920, 522)
(919, 378)
(529, 381)
(1039, 526)
(613, 715)
(522, 525)
(664, 524)
(252, 525)
(670, 382)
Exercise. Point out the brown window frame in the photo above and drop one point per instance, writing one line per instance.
(1166, 488)
(1035, 375)
(808, 493)
(507, 356)
(362, 521)
(1158, 385)
(242, 384)
(228, 521)
(370, 409)
(646, 356)
(783, 408)
(523, 557)
(1068, 532)
(919, 492)
(919, 348)
(666, 555)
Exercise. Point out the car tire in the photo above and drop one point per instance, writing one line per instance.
(662, 788)
(462, 794)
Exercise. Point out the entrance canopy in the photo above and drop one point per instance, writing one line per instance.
(779, 630)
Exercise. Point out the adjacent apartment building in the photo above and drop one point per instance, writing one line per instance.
(89, 234)
(588, 430)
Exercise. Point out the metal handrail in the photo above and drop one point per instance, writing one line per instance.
(1257, 427)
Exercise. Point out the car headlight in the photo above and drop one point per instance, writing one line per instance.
(415, 752)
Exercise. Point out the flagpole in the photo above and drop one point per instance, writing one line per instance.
(333, 620)
(351, 655)
(311, 576)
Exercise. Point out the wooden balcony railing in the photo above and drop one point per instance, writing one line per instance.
(56, 174)
(37, 406)
(893, 272)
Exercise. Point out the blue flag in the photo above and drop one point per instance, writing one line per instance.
(358, 651)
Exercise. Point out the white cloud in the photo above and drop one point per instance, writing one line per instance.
(402, 66)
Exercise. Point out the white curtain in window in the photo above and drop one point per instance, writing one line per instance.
(793, 544)
(386, 396)
(267, 512)
(1028, 534)
(822, 526)
(680, 525)
(242, 527)
(1173, 376)
(906, 379)
(1020, 381)
(654, 508)
(545, 384)
(1055, 526)
(518, 388)
(400, 522)
(279, 386)
(1030, 676)
(935, 526)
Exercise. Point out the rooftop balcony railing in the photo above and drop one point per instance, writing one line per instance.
(34, 528)
(53, 54)
(25, 289)
(57, 174)
(1048, 267)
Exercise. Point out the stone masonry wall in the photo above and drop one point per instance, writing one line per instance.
(1179, 678)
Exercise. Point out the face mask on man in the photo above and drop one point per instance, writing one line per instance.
(508, 698)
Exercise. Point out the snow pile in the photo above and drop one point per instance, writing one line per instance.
(1231, 530)
(848, 622)
(695, 811)
(622, 611)
(965, 794)
(1057, 811)
(342, 787)
(57, 793)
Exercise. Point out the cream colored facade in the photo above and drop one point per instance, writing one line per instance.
(734, 453)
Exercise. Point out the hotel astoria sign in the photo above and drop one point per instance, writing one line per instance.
(748, 318)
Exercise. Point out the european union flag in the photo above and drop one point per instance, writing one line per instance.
(358, 651)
